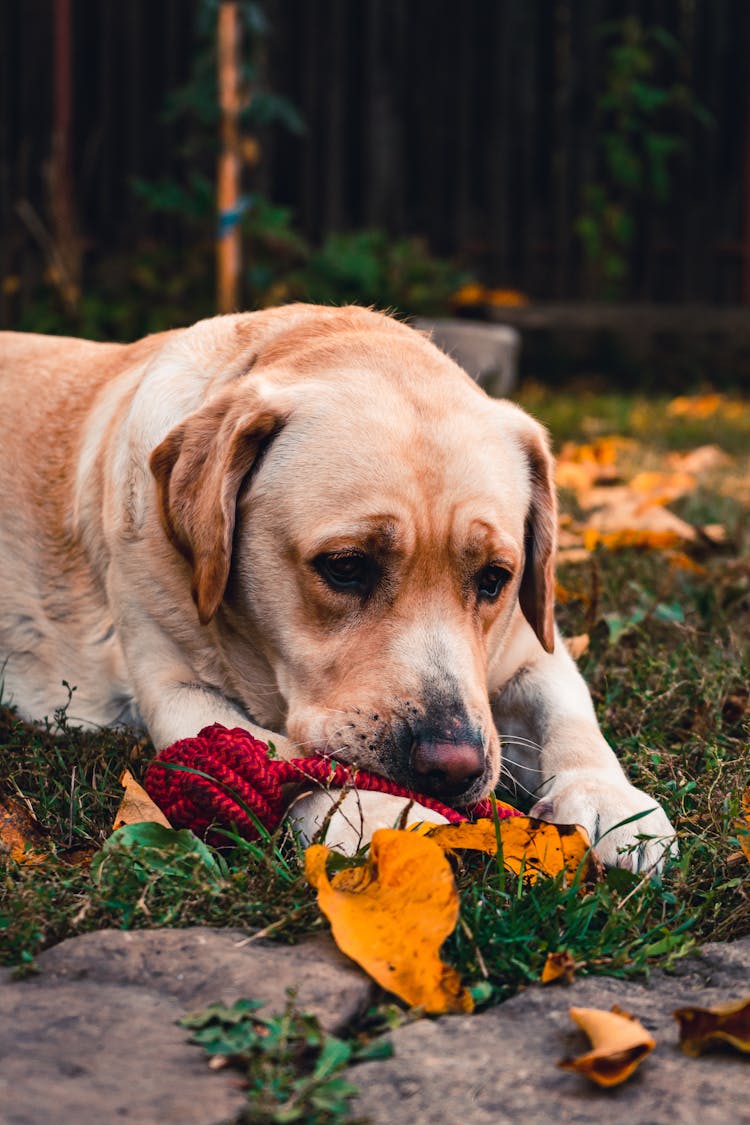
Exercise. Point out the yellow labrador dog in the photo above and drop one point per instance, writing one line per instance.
(311, 523)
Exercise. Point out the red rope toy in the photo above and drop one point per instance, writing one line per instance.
(233, 774)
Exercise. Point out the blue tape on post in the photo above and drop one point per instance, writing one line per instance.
(229, 219)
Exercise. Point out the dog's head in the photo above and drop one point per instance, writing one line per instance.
(357, 509)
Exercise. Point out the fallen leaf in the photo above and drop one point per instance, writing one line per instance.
(700, 460)
(726, 1023)
(573, 555)
(619, 1043)
(392, 913)
(21, 835)
(744, 832)
(577, 646)
(559, 966)
(663, 488)
(695, 406)
(629, 539)
(136, 807)
(531, 848)
(635, 516)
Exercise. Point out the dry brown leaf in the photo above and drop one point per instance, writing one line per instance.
(744, 833)
(136, 807)
(530, 847)
(663, 488)
(619, 1043)
(726, 1023)
(21, 835)
(573, 555)
(559, 966)
(577, 646)
(392, 914)
(703, 459)
(619, 540)
(634, 515)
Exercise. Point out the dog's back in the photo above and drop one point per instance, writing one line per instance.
(51, 602)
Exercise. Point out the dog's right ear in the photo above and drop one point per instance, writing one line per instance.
(199, 468)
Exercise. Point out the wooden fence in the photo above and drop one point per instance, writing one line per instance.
(474, 125)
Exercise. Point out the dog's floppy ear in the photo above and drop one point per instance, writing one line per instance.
(537, 592)
(199, 467)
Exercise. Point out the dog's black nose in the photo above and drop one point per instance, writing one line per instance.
(446, 768)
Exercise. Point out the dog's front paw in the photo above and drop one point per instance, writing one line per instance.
(346, 823)
(600, 804)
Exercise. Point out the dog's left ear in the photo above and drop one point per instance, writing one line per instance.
(199, 468)
(537, 592)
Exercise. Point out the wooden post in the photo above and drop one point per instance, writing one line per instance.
(228, 247)
(66, 258)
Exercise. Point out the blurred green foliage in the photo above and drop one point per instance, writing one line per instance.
(168, 281)
(642, 113)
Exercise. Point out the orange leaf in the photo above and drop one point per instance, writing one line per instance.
(663, 488)
(530, 847)
(695, 406)
(725, 1023)
(392, 914)
(136, 806)
(559, 966)
(744, 827)
(621, 540)
(21, 835)
(636, 515)
(619, 1043)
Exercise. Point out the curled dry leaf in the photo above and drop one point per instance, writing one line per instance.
(392, 914)
(136, 807)
(618, 1041)
(559, 966)
(531, 848)
(703, 1027)
(21, 835)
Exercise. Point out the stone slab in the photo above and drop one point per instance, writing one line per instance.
(499, 1066)
(93, 1037)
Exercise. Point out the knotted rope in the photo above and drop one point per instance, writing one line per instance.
(224, 778)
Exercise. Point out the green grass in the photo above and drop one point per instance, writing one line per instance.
(668, 668)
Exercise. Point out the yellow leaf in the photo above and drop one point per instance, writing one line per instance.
(136, 806)
(663, 488)
(506, 298)
(530, 847)
(620, 540)
(21, 835)
(725, 1023)
(744, 832)
(559, 966)
(619, 1043)
(469, 295)
(392, 914)
(695, 406)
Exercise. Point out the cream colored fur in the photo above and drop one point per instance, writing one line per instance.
(169, 507)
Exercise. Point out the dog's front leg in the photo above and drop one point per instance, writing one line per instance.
(553, 748)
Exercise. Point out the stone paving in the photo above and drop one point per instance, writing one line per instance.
(93, 1038)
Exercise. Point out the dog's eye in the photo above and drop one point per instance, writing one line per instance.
(350, 571)
(491, 580)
